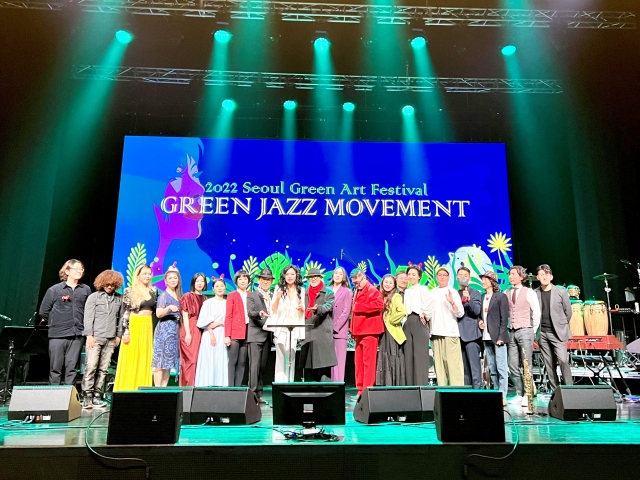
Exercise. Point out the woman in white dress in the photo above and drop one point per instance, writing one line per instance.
(212, 369)
(287, 305)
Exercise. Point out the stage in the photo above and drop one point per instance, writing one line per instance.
(545, 446)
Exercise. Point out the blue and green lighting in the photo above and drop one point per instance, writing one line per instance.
(290, 104)
(229, 105)
(508, 50)
(418, 42)
(123, 36)
(222, 36)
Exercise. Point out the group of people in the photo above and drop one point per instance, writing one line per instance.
(210, 341)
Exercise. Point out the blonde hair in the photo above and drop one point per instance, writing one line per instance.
(67, 265)
(138, 291)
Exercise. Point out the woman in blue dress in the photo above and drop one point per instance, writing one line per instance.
(212, 366)
(166, 346)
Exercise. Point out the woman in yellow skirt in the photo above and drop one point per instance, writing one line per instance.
(136, 331)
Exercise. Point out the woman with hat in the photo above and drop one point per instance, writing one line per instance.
(258, 339)
(493, 321)
(318, 353)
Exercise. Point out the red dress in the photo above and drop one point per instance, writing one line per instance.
(190, 303)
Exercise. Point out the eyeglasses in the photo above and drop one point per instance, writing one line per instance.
(81, 270)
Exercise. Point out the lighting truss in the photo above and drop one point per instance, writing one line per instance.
(345, 13)
(304, 81)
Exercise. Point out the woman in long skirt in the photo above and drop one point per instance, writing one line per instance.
(391, 365)
(190, 334)
(212, 367)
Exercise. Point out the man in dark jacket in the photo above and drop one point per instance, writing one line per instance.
(259, 340)
(470, 333)
(494, 320)
(63, 308)
(318, 353)
(555, 314)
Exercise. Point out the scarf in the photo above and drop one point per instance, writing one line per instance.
(266, 298)
(313, 293)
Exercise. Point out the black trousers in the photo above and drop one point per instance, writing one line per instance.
(258, 357)
(416, 350)
(237, 361)
(471, 361)
(64, 356)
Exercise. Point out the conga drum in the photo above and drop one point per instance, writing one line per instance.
(576, 324)
(573, 291)
(595, 317)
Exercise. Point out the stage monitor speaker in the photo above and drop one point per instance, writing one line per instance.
(583, 402)
(389, 404)
(187, 396)
(145, 417)
(225, 406)
(469, 416)
(428, 399)
(45, 404)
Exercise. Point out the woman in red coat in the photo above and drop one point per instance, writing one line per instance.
(366, 327)
(235, 328)
(190, 334)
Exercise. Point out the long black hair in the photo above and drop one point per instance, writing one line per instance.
(388, 296)
(194, 279)
(282, 283)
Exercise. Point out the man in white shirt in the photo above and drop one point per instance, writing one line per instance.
(445, 335)
(524, 320)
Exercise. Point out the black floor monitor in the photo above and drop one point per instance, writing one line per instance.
(312, 403)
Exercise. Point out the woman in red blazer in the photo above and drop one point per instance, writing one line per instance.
(235, 328)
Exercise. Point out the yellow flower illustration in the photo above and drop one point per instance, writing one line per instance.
(500, 243)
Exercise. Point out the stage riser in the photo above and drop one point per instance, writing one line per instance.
(529, 462)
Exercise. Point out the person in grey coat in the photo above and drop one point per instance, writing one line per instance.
(555, 314)
(318, 353)
(101, 318)
(259, 340)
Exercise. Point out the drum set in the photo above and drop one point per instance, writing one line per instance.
(591, 317)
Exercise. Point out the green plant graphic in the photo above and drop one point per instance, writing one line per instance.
(277, 262)
(136, 258)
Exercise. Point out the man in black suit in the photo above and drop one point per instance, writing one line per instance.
(470, 333)
(494, 320)
(259, 340)
(555, 310)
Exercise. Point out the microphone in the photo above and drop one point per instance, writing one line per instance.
(6, 319)
(341, 253)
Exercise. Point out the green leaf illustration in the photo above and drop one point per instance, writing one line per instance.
(136, 258)
(277, 262)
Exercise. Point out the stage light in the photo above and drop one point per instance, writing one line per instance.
(348, 107)
(508, 50)
(229, 105)
(418, 42)
(322, 44)
(408, 110)
(290, 105)
(124, 37)
(222, 36)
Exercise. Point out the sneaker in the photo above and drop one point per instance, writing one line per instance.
(97, 403)
(515, 400)
(525, 401)
(87, 403)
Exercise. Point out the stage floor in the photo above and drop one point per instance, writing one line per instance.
(59, 450)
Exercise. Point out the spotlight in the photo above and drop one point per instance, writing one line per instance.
(124, 37)
(222, 36)
(290, 105)
(508, 50)
(348, 107)
(229, 105)
(418, 42)
(408, 110)
(322, 44)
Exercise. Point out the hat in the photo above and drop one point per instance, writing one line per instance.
(266, 273)
(442, 269)
(490, 274)
(314, 272)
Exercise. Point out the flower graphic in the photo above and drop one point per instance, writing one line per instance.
(500, 243)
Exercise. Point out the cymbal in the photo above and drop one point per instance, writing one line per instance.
(532, 278)
(605, 276)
